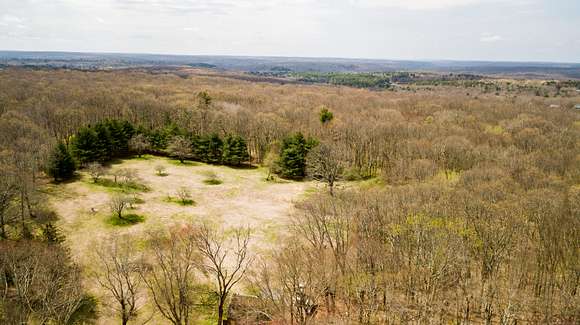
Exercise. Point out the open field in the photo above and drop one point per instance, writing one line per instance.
(244, 199)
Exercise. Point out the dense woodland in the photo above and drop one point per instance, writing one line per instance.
(442, 206)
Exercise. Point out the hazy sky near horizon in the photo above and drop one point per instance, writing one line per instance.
(498, 30)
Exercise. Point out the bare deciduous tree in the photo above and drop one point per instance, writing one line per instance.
(184, 194)
(96, 170)
(160, 170)
(169, 274)
(180, 147)
(118, 203)
(120, 276)
(324, 164)
(225, 259)
(139, 144)
(39, 282)
(8, 192)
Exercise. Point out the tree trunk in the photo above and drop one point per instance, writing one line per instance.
(2, 227)
(220, 312)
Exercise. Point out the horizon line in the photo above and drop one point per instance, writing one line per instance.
(292, 57)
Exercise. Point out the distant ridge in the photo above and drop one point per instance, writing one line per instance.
(81, 60)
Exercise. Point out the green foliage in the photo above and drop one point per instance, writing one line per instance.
(208, 148)
(120, 134)
(235, 151)
(103, 141)
(292, 161)
(126, 220)
(212, 181)
(325, 115)
(61, 165)
(83, 146)
(125, 186)
(358, 80)
(103, 145)
(212, 178)
(184, 202)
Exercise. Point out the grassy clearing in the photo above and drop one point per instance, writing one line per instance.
(125, 187)
(127, 220)
(185, 163)
(186, 202)
(144, 157)
(211, 181)
(211, 178)
(243, 199)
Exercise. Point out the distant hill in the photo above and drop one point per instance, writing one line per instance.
(291, 64)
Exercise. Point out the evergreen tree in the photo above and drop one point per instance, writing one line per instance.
(84, 146)
(235, 150)
(214, 149)
(103, 144)
(61, 164)
(120, 133)
(158, 139)
(293, 153)
(325, 115)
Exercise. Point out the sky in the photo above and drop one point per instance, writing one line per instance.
(491, 30)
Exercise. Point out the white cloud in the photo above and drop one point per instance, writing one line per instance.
(490, 38)
(421, 4)
(12, 21)
(206, 6)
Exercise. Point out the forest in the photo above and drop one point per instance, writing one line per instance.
(450, 204)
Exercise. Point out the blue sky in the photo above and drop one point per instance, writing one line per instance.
(497, 30)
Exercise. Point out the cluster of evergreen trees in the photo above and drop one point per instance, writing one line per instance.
(102, 142)
(292, 160)
(111, 138)
(232, 150)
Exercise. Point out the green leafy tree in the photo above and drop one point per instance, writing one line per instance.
(293, 153)
(235, 151)
(61, 165)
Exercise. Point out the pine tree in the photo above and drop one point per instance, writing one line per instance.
(61, 165)
(84, 146)
(325, 115)
(214, 149)
(293, 153)
(103, 144)
(235, 151)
